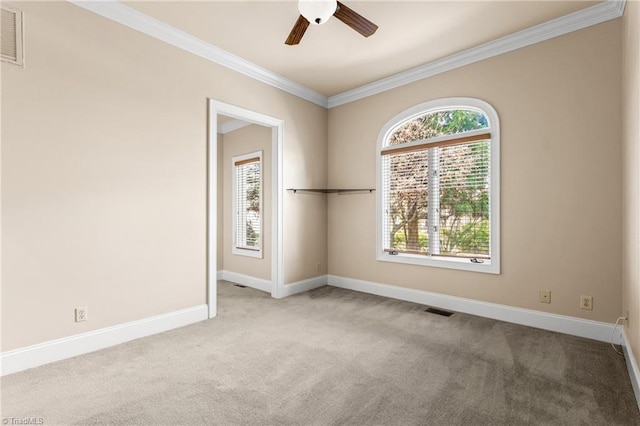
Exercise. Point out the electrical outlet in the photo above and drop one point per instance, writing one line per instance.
(545, 296)
(81, 314)
(317, 267)
(586, 302)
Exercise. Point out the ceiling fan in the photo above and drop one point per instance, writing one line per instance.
(317, 12)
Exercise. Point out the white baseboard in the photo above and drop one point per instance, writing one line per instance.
(265, 285)
(249, 281)
(560, 323)
(67, 347)
(304, 285)
(219, 275)
(632, 365)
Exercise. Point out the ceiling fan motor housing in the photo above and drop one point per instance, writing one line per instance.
(317, 12)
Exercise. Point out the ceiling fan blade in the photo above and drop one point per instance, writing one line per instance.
(355, 20)
(297, 31)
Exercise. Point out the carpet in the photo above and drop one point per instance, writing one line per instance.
(332, 357)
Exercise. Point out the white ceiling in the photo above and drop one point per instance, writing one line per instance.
(332, 58)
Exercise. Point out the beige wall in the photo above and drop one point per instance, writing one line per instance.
(244, 141)
(631, 173)
(104, 137)
(559, 106)
(307, 231)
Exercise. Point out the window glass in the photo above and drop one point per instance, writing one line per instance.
(438, 123)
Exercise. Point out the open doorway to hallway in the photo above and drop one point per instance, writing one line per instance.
(245, 200)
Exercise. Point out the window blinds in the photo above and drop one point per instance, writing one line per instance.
(248, 222)
(11, 36)
(436, 197)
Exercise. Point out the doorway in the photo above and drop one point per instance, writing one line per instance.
(240, 117)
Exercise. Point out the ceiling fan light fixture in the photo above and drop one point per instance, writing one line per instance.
(317, 12)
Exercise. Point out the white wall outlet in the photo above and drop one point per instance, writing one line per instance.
(586, 302)
(81, 314)
(545, 296)
(317, 267)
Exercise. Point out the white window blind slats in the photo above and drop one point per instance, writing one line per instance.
(437, 200)
(464, 209)
(248, 223)
(12, 49)
(406, 200)
(9, 35)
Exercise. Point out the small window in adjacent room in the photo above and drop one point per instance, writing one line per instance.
(247, 204)
(11, 40)
(438, 186)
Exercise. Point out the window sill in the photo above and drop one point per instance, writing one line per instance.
(247, 252)
(461, 264)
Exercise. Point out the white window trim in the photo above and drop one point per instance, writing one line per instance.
(235, 249)
(492, 266)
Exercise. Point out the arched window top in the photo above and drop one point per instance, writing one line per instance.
(440, 118)
(437, 123)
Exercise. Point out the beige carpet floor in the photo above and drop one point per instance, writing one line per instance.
(332, 357)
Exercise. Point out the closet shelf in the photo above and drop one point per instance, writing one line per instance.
(332, 191)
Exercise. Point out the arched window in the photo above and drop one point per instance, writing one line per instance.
(438, 186)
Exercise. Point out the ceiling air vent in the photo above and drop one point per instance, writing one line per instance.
(11, 36)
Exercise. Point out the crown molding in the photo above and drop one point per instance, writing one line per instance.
(611, 9)
(138, 21)
(132, 18)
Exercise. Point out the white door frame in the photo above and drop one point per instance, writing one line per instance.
(277, 139)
